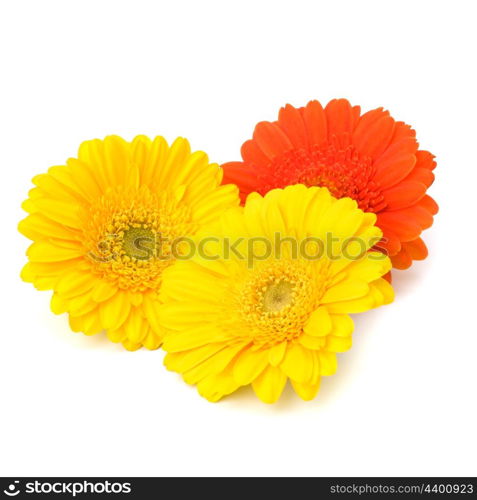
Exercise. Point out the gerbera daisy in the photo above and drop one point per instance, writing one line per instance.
(103, 224)
(371, 158)
(262, 315)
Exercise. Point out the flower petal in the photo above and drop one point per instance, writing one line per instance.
(249, 365)
(271, 139)
(270, 384)
(291, 122)
(319, 323)
(306, 391)
(114, 311)
(297, 363)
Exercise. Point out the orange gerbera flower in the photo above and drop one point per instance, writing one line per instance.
(371, 158)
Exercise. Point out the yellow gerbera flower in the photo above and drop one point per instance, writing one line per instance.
(103, 224)
(254, 307)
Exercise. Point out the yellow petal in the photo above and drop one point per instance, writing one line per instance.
(352, 306)
(276, 353)
(27, 273)
(45, 282)
(272, 219)
(82, 304)
(214, 365)
(151, 312)
(176, 156)
(293, 203)
(152, 340)
(315, 378)
(386, 290)
(117, 335)
(76, 323)
(37, 226)
(215, 202)
(156, 157)
(59, 211)
(29, 206)
(335, 219)
(74, 284)
(338, 344)
(215, 387)
(92, 324)
(114, 311)
(343, 325)
(270, 384)
(103, 291)
(297, 363)
(312, 342)
(249, 365)
(177, 315)
(135, 326)
(319, 323)
(193, 337)
(186, 360)
(43, 251)
(58, 305)
(319, 204)
(78, 177)
(135, 298)
(347, 290)
(328, 362)
(307, 392)
(131, 346)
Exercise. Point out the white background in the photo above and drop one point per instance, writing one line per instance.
(404, 399)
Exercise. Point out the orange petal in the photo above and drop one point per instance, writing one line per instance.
(395, 164)
(271, 139)
(236, 172)
(401, 260)
(422, 175)
(416, 249)
(390, 244)
(251, 153)
(397, 161)
(315, 121)
(404, 194)
(429, 204)
(340, 117)
(402, 131)
(291, 122)
(373, 132)
(419, 215)
(404, 227)
(425, 160)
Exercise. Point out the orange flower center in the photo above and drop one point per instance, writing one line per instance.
(342, 170)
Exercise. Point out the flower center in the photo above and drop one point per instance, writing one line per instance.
(277, 296)
(139, 243)
(277, 299)
(131, 236)
(340, 169)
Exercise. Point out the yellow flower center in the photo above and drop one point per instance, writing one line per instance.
(277, 296)
(277, 300)
(131, 235)
(139, 243)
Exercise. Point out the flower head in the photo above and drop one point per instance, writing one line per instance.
(103, 228)
(371, 158)
(276, 307)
